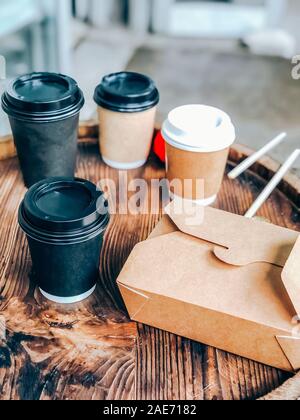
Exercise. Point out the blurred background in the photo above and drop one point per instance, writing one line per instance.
(233, 54)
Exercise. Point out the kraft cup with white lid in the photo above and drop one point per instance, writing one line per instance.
(65, 220)
(127, 104)
(198, 139)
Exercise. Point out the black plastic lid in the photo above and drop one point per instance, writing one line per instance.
(63, 209)
(43, 97)
(126, 92)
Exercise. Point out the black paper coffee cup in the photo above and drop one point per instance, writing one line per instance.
(65, 221)
(43, 109)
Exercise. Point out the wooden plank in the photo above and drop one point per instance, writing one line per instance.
(7, 148)
(92, 350)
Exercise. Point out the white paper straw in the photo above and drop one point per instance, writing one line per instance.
(257, 155)
(273, 184)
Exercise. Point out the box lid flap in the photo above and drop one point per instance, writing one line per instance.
(291, 276)
(185, 269)
(243, 241)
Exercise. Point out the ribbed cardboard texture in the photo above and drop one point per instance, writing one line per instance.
(231, 282)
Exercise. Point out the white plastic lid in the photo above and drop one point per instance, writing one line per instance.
(199, 128)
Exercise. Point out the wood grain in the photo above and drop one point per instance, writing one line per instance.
(7, 148)
(92, 350)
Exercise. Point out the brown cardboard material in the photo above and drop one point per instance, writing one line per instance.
(243, 241)
(215, 286)
(291, 275)
(126, 138)
(186, 165)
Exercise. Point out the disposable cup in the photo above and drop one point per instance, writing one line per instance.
(198, 139)
(127, 104)
(43, 110)
(65, 220)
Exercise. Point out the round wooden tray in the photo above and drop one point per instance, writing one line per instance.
(92, 350)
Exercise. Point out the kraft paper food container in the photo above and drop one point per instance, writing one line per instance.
(240, 295)
(198, 139)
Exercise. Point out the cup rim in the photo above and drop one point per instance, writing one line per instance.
(53, 230)
(222, 136)
(17, 106)
(67, 300)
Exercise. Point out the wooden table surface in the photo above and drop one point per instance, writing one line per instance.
(92, 350)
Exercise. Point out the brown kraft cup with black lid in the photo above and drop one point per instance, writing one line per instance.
(127, 104)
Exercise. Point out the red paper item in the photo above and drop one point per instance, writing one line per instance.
(160, 147)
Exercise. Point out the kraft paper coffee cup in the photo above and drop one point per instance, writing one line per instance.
(127, 104)
(198, 139)
(65, 220)
(43, 110)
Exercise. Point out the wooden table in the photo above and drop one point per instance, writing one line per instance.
(92, 350)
